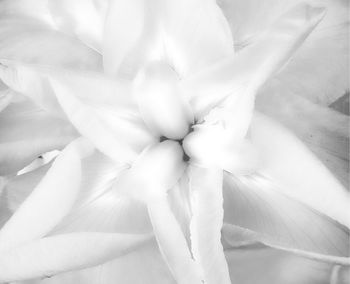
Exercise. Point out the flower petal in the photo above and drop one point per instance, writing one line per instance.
(54, 197)
(206, 223)
(297, 171)
(156, 170)
(248, 70)
(82, 18)
(196, 34)
(172, 242)
(30, 41)
(323, 130)
(19, 187)
(161, 103)
(189, 34)
(26, 133)
(259, 205)
(52, 255)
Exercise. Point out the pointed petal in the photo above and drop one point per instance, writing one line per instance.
(52, 255)
(324, 131)
(26, 133)
(19, 187)
(327, 46)
(206, 223)
(54, 197)
(257, 204)
(172, 242)
(155, 171)
(83, 18)
(30, 41)
(161, 103)
(297, 171)
(253, 65)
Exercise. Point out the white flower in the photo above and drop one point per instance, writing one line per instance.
(166, 157)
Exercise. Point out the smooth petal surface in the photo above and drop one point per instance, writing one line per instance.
(156, 170)
(161, 102)
(52, 255)
(172, 242)
(325, 131)
(258, 205)
(297, 171)
(28, 40)
(54, 196)
(84, 19)
(249, 69)
(196, 34)
(27, 132)
(187, 37)
(206, 223)
(213, 146)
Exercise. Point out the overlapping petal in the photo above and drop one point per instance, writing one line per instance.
(61, 253)
(187, 37)
(84, 19)
(297, 171)
(161, 102)
(27, 132)
(28, 40)
(54, 196)
(264, 213)
(242, 74)
(206, 223)
(325, 132)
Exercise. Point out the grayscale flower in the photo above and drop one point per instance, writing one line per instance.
(162, 141)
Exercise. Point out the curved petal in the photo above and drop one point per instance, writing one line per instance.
(258, 205)
(155, 171)
(323, 130)
(54, 197)
(297, 171)
(189, 34)
(29, 41)
(57, 254)
(19, 187)
(142, 266)
(172, 242)
(242, 74)
(206, 223)
(161, 103)
(26, 133)
(83, 18)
